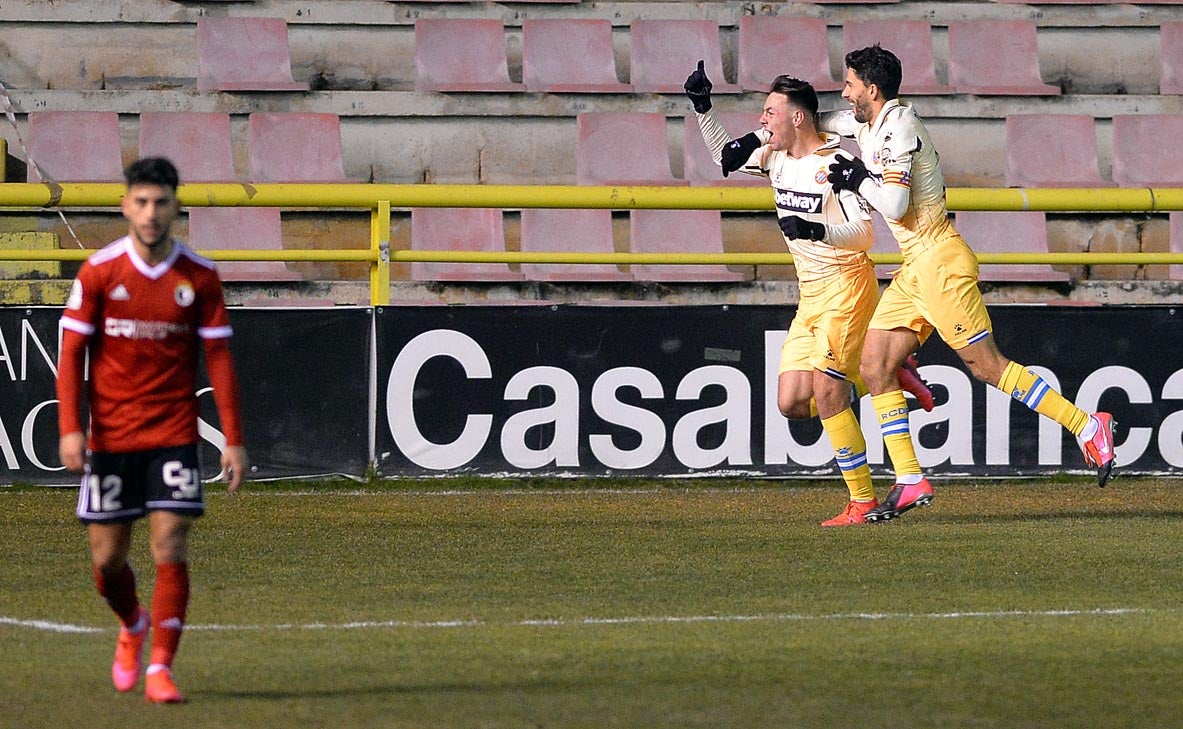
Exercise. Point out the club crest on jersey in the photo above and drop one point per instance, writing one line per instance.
(183, 294)
(820, 176)
(798, 202)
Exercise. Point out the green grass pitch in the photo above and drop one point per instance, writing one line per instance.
(622, 604)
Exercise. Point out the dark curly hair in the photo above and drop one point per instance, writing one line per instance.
(879, 66)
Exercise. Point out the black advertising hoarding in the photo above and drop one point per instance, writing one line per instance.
(652, 390)
(303, 379)
(625, 390)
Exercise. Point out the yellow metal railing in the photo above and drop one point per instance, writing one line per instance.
(379, 199)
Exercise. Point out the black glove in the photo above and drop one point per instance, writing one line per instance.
(796, 228)
(698, 88)
(847, 174)
(738, 152)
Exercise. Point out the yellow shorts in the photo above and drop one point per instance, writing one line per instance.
(831, 322)
(937, 290)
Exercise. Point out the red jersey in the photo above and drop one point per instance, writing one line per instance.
(143, 325)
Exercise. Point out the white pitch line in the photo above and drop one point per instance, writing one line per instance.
(52, 627)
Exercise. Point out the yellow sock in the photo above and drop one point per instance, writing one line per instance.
(892, 410)
(850, 450)
(1030, 389)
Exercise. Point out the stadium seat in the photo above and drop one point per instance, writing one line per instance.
(241, 229)
(909, 40)
(680, 231)
(1008, 232)
(996, 57)
(773, 44)
(1051, 150)
(197, 142)
(459, 229)
(461, 54)
(74, 146)
(885, 242)
(1176, 223)
(569, 231)
(665, 52)
(244, 54)
(295, 147)
(700, 167)
(1170, 36)
(1145, 150)
(623, 148)
(569, 56)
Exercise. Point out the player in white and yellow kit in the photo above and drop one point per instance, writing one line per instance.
(936, 289)
(828, 233)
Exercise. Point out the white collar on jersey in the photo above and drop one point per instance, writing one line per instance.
(152, 272)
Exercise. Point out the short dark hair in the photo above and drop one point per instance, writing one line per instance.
(800, 94)
(152, 171)
(879, 66)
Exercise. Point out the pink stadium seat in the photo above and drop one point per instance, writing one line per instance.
(241, 229)
(885, 242)
(665, 52)
(909, 40)
(623, 148)
(574, 231)
(461, 54)
(845, 2)
(1051, 150)
(770, 45)
(295, 147)
(1146, 151)
(1171, 51)
(459, 229)
(1008, 232)
(700, 167)
(680, 231)
(1176, 270)
(197, 142)
(569, 56)
(244, 54)
(74, 146)
(996, 57)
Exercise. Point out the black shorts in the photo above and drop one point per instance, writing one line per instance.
(120, 487)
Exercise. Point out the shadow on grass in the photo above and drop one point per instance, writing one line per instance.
(1078, 515)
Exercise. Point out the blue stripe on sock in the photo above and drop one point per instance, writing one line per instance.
(1036, 393)
(852, 462)
(979, 336)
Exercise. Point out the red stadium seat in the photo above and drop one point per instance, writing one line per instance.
(885, 242)
(665, 52)
(770, 45)
(569, 231)
(254, 229)
(74, 146)
(680, 231)
(1145, 150)
(295, 147)
(1008, 232)
(1051, 150)
(909, 40)
(461, 54)
(459, 229)
(1171, 51)
(244, 54)
(197, 142)
(700, 167)
(996, 57)
(569, 56)
(623, 148)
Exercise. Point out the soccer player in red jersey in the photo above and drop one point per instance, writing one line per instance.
(139, 307)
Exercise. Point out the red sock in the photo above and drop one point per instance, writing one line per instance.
(118, 588)
(170, 600)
